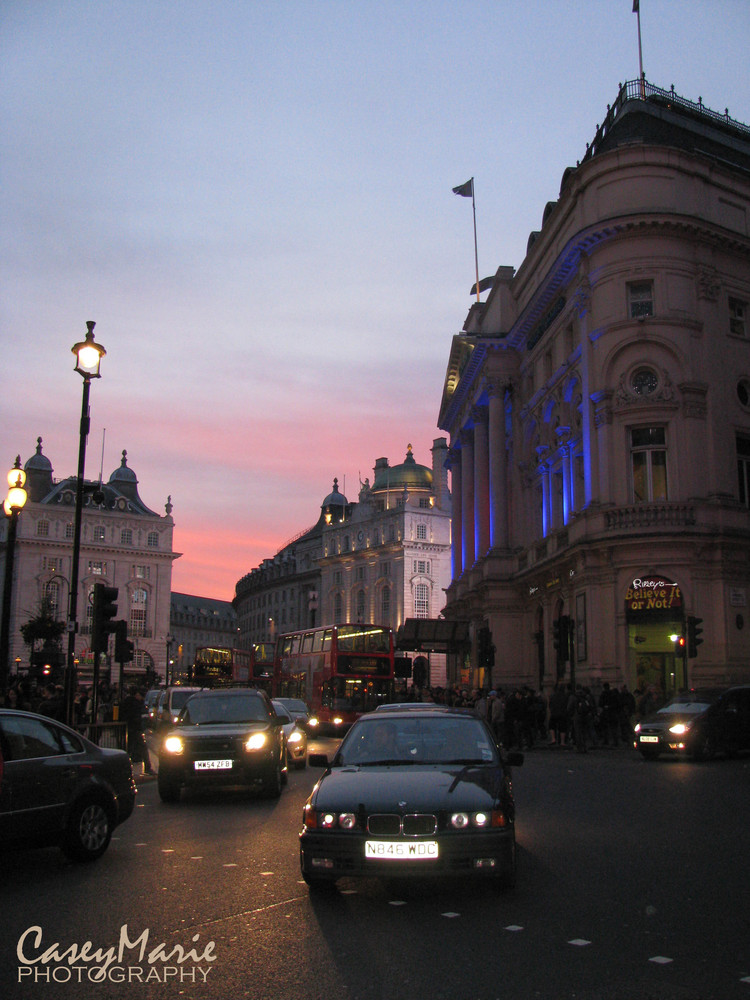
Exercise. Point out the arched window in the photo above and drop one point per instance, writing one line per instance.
(138, 621)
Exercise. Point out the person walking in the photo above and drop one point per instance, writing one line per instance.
(132, 716)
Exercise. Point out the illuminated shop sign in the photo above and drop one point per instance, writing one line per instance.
(653, 594)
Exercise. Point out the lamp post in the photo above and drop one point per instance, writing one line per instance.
(12, 505)
(88, 359)
(168, 672)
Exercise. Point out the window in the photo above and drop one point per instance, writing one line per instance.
(425, 502)
(126, 536)
(153, 540)
(737, 317)
(138, 620)
(649, 464)
(743, 470)
(422, 531)
(385, 605)
(361, 572)
(97, 568)
(42, 529)
(337, 608)
(52, 597)
(69, 530)
(421, 601)
(99, 533)
(422, 566)
(385, 569)
(640, 299)
(360, 605)
(337, 577)
(644, 381)
(142, 572)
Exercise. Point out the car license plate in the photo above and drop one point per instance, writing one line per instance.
(213, 765)
(388, 850)
(648, 739)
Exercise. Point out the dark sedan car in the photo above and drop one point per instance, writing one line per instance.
(412, 793)
(697, 724)
(224, 737)
(58, 788)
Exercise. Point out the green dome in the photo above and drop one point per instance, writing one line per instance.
(409, 475)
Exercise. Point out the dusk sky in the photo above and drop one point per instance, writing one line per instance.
(253, 202)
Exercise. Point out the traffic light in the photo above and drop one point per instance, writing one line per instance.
(123, 645)
(104, 611)
(694, 632)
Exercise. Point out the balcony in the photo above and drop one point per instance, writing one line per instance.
(640, 516)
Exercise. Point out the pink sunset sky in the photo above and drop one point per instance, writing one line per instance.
(253, 202)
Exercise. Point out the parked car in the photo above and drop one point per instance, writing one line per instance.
(224, 737)
(170, 704)
(296, 737)
(299, 711)
(412, 794)
(56, 787)
(698, 724)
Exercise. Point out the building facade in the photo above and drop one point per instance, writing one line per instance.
(381, 559)
(598, 407)
(124, 544)
(196, 622)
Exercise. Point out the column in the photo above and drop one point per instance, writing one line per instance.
(481, 483)
(498, 466)
(467, 499)
(456, 515)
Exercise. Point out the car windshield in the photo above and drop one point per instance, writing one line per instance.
(218, 710)
(681, 707)
(179, 698)
(294, 705)
(417, 740)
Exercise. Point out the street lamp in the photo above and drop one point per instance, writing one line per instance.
(88, 359)
(167, 672)
(12, 505)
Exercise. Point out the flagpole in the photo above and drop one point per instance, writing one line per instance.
(476, 254)
(637, 11)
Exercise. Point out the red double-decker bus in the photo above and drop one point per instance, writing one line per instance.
(218, 666)
(341, 671)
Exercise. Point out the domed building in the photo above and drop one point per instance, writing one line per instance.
(124, 544)
(381, 559)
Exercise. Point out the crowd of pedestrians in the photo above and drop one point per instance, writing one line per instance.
(570, 715)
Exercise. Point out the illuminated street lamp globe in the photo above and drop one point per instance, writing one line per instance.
(17, 496)
(88, 354)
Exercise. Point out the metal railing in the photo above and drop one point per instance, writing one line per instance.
(642, 90)
(106, 734)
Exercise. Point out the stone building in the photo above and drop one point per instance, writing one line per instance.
(381, 559)
(598, 407)
(124, 544)
(195, 622)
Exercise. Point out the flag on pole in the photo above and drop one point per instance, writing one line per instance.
(465, 190)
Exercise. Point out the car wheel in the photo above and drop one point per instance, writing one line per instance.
(273, 782)
(506, 882)
(169, 789)
(89, 830)
(703, 748)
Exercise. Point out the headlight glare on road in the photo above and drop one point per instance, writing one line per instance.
(173, 744)
(256, 741)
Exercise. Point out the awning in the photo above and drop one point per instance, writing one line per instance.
(435, 635)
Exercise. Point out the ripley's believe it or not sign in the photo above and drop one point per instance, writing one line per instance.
(653, 594)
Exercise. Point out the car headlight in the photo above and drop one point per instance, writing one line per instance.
(679, 729)
(174, 744)
(312, 721)
(637, 728)
(295, 737)
(483, 820)
(328, 820)
(256, 741)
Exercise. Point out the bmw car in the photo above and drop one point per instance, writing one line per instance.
(697, 724)
(56, 787)
(222, 738)
(412, 794)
